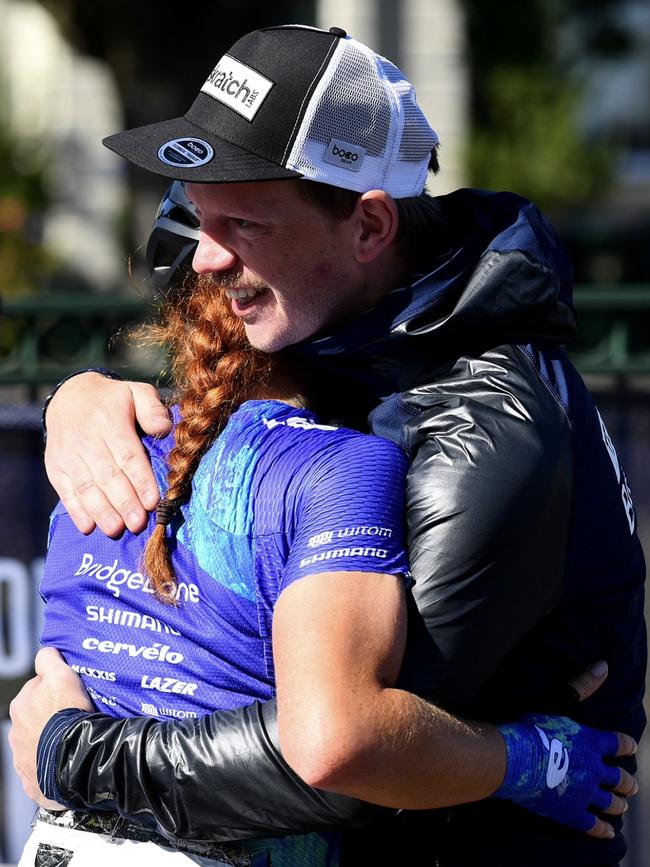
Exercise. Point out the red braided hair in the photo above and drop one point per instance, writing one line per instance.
(215, 370)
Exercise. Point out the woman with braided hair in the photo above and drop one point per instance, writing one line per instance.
(275, 565)
(177, 622)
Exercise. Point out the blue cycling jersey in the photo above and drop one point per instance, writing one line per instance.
(277, 497)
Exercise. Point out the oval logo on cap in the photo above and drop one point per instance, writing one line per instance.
(187, 152)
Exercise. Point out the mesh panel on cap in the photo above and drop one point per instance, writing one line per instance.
(364, 100)
(349, 104)
(418, 139)
(352, 105)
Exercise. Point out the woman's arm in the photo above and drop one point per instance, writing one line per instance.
(338, 640)
(337, 643)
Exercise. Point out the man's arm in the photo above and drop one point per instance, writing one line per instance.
(93, 454)
(489, 495)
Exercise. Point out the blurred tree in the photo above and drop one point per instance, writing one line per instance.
(532, 142)
(526, 100)
(24, 264)
(600, 26)
(159, 52)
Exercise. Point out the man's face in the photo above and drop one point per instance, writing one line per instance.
(288, 268)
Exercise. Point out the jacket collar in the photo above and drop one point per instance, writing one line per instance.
(507, 279)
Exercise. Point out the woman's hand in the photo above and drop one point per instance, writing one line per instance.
(55, 687)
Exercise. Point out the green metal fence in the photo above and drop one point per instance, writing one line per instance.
(614, 328)
(43, 338)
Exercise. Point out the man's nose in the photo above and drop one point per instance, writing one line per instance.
(211, 255)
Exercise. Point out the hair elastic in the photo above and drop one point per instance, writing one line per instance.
(165, 511)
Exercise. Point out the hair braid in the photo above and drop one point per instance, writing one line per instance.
(215, 371)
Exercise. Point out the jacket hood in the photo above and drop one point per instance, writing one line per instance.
(504, 279)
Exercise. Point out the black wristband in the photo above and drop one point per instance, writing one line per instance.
(105, 371)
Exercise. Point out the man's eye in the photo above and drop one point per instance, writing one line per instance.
(243, 224)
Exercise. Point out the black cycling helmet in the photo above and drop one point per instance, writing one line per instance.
(173, 239)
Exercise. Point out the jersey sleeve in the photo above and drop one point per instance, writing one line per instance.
(350, 512)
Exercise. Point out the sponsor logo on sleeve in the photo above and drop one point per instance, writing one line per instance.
(238, 86)
(381, 532)
(337, 553)
(327, 536)
(177, 713)
(320, 539)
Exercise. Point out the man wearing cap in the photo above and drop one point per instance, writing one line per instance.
(446, 316)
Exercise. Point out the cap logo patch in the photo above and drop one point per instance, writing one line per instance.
(343, 154)
(190, 153)
(237, 86)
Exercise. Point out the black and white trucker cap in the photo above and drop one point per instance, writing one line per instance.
(289, 102)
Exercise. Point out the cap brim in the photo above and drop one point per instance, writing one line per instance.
(162, 148)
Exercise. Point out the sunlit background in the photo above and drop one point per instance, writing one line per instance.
(549, 99)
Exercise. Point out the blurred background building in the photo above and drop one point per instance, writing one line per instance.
(551, 100)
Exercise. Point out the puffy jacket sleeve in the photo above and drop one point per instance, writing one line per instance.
(488, 506)
(217, 778)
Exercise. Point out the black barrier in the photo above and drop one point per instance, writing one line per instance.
(26, 501)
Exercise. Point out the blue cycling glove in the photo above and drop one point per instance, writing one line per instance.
(556, 769)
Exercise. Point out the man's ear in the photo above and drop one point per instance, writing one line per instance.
(376, 221)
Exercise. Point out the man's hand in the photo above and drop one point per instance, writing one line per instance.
(94, 458)
(55, 687)
(587, 682)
